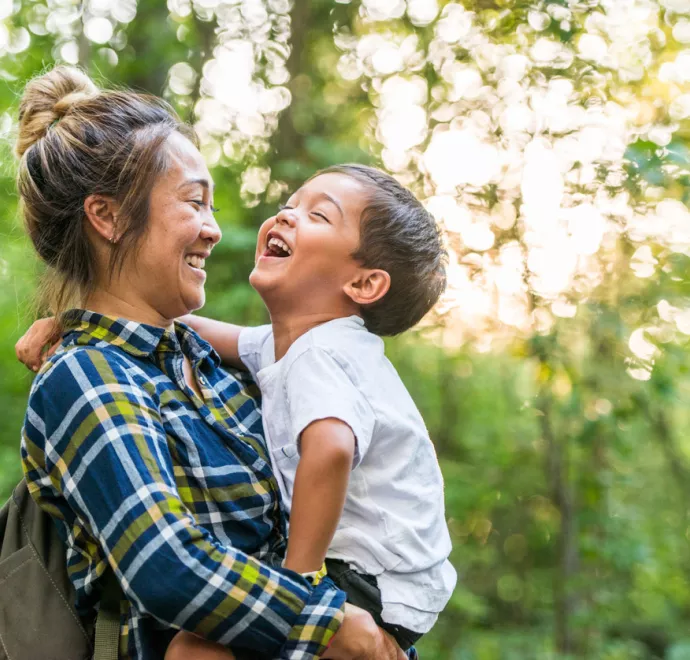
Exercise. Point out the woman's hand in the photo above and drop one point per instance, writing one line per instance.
(30, 347)
(359, 638)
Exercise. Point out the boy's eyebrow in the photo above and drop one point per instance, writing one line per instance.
(334, 201)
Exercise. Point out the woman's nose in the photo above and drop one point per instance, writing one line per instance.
(210, 231)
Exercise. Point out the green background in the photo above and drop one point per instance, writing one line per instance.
(567, 480)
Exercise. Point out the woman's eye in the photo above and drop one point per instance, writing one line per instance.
(283, 207)
(322, 216)
(200, 203)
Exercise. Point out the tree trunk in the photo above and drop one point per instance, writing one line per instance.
(84, 45)
(205, 32)
(288, 143)
(658, 420)
(557, 467)
(154, 55)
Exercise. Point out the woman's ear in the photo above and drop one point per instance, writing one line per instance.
(368, 287)
(101, 214)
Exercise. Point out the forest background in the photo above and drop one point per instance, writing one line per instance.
(551, 139)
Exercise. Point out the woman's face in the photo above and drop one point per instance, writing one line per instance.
(166, 271)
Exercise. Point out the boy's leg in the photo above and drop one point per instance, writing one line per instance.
(188, 646)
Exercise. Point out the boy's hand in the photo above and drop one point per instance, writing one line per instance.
(30, 347)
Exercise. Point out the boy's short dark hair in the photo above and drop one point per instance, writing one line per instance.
(400, 236)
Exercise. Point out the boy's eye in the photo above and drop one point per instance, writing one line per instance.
(282, 207)
(322, 216)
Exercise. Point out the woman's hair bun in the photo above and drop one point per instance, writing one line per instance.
(47, 99)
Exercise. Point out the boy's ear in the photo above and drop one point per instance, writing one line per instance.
(101, 214)
(368, 287)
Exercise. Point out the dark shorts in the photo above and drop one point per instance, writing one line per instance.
(363, 591)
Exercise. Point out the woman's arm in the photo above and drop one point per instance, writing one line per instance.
(95, 437)
(359, 638)
(222, 336)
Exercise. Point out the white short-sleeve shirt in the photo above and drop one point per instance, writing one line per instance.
(393, 523)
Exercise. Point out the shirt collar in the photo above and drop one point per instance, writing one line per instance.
(137, 339)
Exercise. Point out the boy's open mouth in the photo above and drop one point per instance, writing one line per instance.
(277, 247)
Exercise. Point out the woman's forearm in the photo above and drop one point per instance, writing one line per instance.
(222, 336)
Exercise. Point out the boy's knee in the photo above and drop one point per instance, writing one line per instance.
(180, 646)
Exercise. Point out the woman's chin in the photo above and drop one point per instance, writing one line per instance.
(192, 301)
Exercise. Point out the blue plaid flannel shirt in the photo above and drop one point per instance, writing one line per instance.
(172, 492)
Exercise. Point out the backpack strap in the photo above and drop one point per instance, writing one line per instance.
(107, 637)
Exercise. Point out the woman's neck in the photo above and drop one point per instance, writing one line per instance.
(110, 303)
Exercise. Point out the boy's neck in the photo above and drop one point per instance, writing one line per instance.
(287, 329)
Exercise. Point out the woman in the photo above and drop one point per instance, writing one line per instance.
(147, 454)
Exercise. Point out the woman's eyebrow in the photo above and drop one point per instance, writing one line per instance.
(204, 183)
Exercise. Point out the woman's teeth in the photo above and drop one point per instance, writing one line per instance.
(281, 245)
(194, 261)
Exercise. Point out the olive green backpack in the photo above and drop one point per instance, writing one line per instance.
(37, 616)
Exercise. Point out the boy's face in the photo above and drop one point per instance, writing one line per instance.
(304, 253)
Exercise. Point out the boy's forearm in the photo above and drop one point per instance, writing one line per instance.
(222, 336)
(319, 494)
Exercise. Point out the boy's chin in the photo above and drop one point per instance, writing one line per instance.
(256, 279)
(263, 283)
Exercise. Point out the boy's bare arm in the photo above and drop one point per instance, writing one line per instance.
(327, 451)
(31, 347)
(222, 336)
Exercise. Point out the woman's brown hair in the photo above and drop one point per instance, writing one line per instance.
(76, 140)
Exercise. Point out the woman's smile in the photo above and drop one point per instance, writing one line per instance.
(197, 263)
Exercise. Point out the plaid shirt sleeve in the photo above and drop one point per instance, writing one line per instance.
(94, 436)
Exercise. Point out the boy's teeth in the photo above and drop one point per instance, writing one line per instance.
(276, 242)
(195, 261)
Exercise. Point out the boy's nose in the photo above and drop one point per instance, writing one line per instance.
(286, 217)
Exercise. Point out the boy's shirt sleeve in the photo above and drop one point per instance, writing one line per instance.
(94, 440)
(318, 387)
(251, 345)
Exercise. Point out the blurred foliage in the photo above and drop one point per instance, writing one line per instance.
(553, 378)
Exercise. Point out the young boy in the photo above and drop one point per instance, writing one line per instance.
(351, 257)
